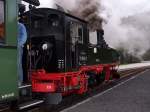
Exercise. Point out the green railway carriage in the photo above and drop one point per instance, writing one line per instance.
(9, 90)
(8, 50)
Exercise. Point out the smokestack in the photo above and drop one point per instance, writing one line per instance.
(100, 34)
(100, 39)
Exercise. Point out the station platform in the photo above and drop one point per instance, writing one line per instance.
(132, 95)
(134, 65)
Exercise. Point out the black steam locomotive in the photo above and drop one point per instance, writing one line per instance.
(59, 58)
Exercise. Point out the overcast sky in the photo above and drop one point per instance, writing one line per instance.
(115, 7)
(127, 7)
(46, 3)
(121, 7)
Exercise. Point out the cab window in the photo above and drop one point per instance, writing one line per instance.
(80, 34)
(2, 21)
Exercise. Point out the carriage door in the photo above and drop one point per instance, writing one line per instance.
(76, 34)
(8, 50)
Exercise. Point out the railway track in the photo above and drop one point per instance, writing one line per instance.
(74, 99)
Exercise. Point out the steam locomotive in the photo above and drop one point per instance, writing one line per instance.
(62, 60)
(58, 59)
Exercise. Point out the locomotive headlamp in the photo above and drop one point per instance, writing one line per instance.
(45, 46)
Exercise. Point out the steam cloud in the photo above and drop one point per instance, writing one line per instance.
(130, 33)
(88, 10)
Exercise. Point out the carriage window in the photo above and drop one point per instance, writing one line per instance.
(1, 21)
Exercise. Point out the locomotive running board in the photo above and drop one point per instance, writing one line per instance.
(30, 104)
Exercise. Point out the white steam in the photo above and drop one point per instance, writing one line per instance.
(67, 4)
(127, 32)
(47, 3)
